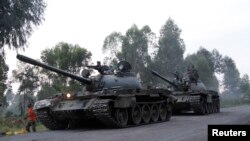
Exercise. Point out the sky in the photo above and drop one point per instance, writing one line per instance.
(214, 24)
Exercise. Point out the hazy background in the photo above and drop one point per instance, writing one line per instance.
(223, 25)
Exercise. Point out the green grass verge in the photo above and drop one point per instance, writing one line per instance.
(10, 127)
(231, 102)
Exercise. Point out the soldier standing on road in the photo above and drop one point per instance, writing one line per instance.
(31, 119)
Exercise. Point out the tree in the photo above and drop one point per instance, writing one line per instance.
(19, 104)
(132, 47)
(231, 75)
(112, 46)
(3, 77)
(244, 87)
(208, 56)
(17, 20)
(67, 57)
(46, 91)
(217, 61)
(28, 77)
(171, 47)
(205, 70)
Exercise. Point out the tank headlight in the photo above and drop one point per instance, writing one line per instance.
(68, 95)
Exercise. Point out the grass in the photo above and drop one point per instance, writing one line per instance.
(232, 102)
(40, 127)
(12, 126)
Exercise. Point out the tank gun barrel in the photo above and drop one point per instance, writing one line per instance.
(54, 69)
(163, 78)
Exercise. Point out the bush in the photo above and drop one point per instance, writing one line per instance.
(228, 100)
(13, 124)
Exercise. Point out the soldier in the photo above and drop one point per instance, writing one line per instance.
(31, 119)
(193, 74)
(177, 76)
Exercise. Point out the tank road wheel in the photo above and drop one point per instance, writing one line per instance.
(213, 107)
(206, 107)
(162, 112)
(217, 105)
(203, 108)
(146, 114)
(169, 111)
(121, 116)
(154, 112)
(209, 108)
(136, 115)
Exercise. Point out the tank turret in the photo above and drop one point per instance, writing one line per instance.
(175, 85)
(181, 84)
(107, 79)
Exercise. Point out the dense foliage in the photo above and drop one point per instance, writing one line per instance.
(17, 20)
(67, 57)
(3, 77)
(165, 54)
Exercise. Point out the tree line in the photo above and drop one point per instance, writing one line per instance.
(165, 54)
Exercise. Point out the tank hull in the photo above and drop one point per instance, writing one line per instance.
(200, 103)
(113, 109)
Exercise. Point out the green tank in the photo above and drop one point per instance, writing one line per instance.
(192, 95)
(113, 98)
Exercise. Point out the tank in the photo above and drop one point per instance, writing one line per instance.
(192, 95)
(113, 98)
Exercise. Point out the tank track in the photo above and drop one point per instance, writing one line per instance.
(197, 105)
(102, 111)
(200, 107)
(44, 116)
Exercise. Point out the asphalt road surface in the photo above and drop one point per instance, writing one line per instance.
(186, 127)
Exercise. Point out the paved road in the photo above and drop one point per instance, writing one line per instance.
(181, 128)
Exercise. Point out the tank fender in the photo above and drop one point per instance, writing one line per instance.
(171, 99)
(42, 104)
(124, 101)
(89, 103)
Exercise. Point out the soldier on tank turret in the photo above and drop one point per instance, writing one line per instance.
(193, 74)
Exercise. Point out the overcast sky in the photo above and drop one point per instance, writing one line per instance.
(220, 24)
